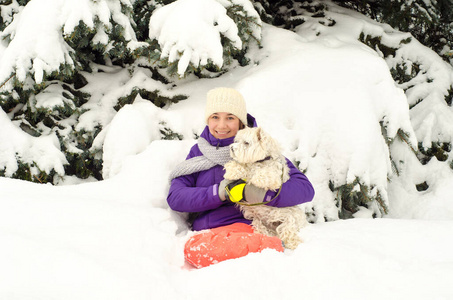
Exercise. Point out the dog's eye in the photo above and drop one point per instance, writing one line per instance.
(246, 143)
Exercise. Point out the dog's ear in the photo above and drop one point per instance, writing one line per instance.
(259, 134)
(269, 143)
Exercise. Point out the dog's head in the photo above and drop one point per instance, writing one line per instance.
(253, 144)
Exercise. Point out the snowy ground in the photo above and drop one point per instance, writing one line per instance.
(117, 239)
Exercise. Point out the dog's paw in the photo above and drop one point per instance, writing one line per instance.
(234, 170)
(265, 180)
(292, 242)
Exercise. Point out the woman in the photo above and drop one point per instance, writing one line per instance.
(198, 187)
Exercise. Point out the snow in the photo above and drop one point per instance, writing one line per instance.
(45, 150)
(39, 25)
(118, 239)
(27, 41)
(343, 117)
(321, 96)
(187, 33)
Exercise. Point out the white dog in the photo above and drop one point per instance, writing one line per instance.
(258, 160)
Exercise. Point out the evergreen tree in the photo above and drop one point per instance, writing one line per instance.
(430, 22)
(427, 21)
(94, 34)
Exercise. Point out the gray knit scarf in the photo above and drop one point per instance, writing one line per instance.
(211, 157)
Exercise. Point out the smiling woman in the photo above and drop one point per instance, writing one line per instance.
(198, 187)
(223, 125)
(226, 112)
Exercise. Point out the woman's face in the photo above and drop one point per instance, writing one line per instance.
(223, 125)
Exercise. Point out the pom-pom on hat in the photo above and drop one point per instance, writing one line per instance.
(226, 100)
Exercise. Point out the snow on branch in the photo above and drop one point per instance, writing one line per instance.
(37, 34)
(37, 45)
(191, 31)
(426, 79)
(17, 147)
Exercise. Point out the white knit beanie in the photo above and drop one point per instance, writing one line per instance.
(226, 100)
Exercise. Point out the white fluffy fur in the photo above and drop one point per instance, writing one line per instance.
(257, 159)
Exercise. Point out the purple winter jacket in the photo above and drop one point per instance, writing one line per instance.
(197, 193)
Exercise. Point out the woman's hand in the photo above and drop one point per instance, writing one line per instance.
(239, 190)
(254, 194)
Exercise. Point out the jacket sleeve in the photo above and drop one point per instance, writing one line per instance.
(185, 196)
(297, 190)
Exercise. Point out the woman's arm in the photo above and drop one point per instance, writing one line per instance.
(296, 190)
(185, 197)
